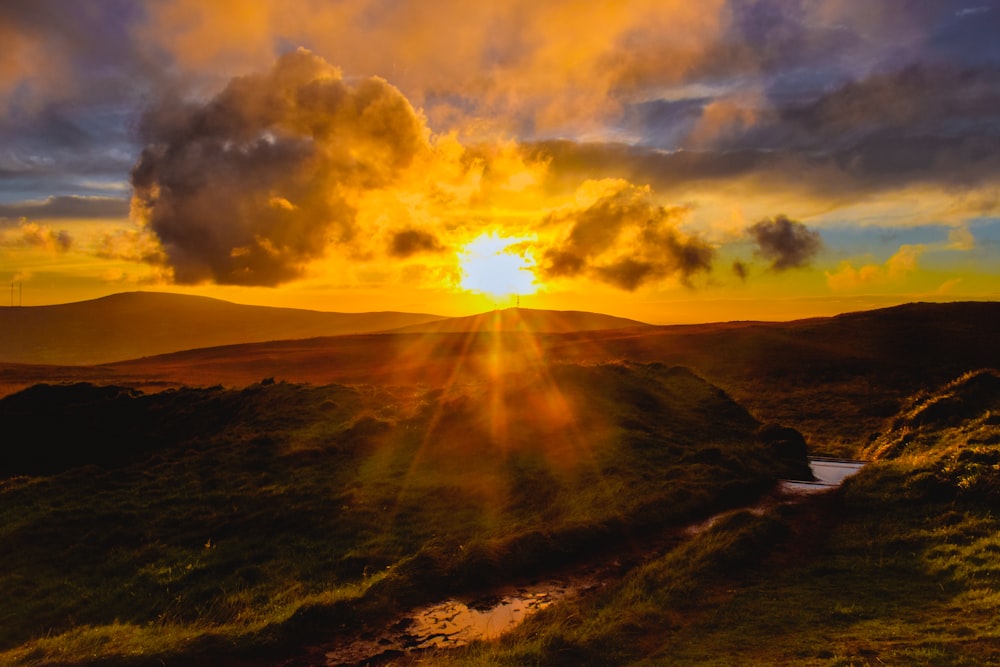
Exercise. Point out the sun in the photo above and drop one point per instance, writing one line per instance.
(491, 265)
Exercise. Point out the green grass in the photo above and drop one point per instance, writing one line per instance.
(889, 584)
(292, 511)
(275, 514)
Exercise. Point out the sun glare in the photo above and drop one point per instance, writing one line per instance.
(491, 265)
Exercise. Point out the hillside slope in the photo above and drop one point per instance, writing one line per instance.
(139, 324)
(263, 514)
(898, 567)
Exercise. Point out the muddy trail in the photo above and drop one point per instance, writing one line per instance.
(485, 615)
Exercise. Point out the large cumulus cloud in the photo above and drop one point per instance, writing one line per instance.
(261, 179)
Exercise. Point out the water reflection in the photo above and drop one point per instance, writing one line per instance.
(829, 473)
(454, 622)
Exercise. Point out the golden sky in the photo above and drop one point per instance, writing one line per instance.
(666, 161)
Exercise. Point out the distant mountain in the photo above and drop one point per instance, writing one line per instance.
(524, 320)
(139, 324)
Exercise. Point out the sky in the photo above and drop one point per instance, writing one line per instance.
(669, 161)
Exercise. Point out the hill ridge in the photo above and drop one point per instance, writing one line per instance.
(129, 325)
(534, 320)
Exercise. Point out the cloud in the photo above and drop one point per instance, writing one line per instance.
(132, 245)
(412, 241)
(916, 100)
(787, 244)
(968, 12)
(961, 238)
(35, 235)
(249, 186)
(948, 287)
(721, 121)
(517, 66)
(620, 236)
(900, 265)
(31, 64)
(67, 206)
(741, 270)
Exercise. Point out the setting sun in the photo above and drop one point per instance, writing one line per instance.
(496, 266)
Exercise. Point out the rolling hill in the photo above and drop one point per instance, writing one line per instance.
(139, 324)
(836, 379)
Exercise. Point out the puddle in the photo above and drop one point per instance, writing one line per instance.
(450, 623)
(829, 473)
(455, 623)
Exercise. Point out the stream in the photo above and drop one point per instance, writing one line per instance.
(458, 621)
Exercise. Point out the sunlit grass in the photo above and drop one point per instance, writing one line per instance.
(235, 620)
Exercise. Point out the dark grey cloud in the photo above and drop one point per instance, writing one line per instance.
(409, 242)
(915, 101)
(67, 206)
(786, 244)
(877, 164)
(655, 249)
(249, 186)
(741, 270)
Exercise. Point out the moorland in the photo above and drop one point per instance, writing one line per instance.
(239, 503)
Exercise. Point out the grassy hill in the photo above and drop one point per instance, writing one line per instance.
(208, 522)
(139, 324)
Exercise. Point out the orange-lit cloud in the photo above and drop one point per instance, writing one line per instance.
(471, 66)
(37, 235)
(406, 130)
(285, 169)
(619, 235)
(895, 269)
(29, 67)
